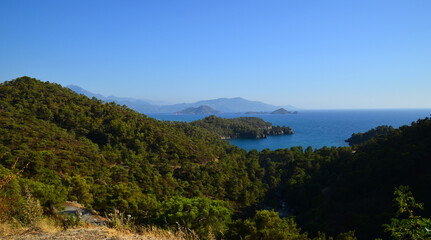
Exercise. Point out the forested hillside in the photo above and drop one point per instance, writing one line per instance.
(380, 131)
(354, 191)
(108, 157)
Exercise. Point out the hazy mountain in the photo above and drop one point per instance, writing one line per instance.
(80, 90)
(204, 109)
(135, 104)
(226, 105)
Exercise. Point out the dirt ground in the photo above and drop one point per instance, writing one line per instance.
(79, 234)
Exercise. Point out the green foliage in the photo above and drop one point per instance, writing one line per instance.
(408, 225)
(199, 214)
(79, 190)
(268, 225)
(265, 225)
(49, 195)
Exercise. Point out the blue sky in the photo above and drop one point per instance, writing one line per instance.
(310, 54)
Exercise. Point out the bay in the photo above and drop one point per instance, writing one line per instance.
(316, 128)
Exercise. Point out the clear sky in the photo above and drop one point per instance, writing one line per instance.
(309, 54)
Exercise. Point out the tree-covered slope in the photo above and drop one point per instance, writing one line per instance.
(355, 192)
(106, 124)
(380, 131)
(107, 156)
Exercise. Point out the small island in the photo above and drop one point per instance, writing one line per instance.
(204, 109)
(242, 127)
(281, 111)
(278, 111)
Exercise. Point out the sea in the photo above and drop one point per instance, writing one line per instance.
(316, 128)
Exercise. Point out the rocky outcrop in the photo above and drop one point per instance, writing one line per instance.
(84, 214)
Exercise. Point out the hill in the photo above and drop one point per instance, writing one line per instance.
(199, 110)
(380, 131)
(107, 156)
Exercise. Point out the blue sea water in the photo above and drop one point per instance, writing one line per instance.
(316, 128)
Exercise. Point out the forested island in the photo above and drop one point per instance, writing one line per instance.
(58, 146)
(242, 127)
(204, 109)
(278, 111)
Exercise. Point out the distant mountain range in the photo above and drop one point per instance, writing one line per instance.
(133, 103)
(225, 105)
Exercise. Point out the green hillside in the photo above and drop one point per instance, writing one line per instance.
(380, 131)
(107, 156)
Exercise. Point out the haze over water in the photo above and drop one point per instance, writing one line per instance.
(316, 128)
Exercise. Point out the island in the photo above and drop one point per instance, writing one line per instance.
(278, 111)
(242, 127)
(204, 109)
(281, 111)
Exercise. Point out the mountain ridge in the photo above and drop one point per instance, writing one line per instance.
(225, 105)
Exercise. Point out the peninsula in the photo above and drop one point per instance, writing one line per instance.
(242, 127)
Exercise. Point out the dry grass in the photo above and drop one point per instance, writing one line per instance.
(87, 233)
(161, 234)
(48, 225)
(14, 228)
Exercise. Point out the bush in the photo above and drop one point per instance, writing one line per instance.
(30, 211)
